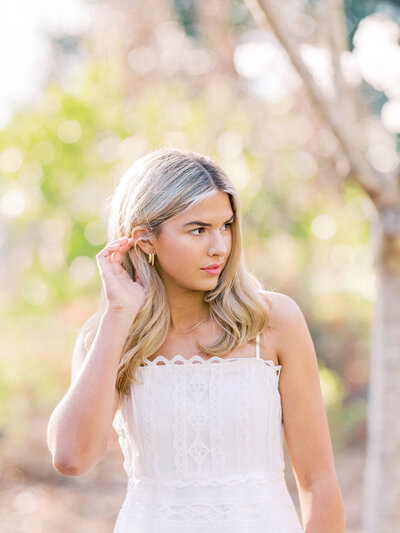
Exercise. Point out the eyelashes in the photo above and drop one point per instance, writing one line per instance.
(228, 225)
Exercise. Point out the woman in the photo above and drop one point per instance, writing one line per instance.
(196, 367)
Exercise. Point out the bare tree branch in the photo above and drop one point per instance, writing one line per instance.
(265, 13)
(355, 109)
(337, 43)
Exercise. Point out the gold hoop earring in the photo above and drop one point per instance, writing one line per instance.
(151, 258)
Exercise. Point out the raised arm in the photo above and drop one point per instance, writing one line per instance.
(79, 427)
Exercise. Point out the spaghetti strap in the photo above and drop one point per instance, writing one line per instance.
(258, 346)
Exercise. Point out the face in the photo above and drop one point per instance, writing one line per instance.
(198, 238)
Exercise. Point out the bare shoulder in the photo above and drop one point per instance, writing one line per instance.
(281, 306)
(286, 325)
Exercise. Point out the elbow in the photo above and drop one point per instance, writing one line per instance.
(67, 470)
(70, 464)
(64, 461)
(71, 457)
(67, 467)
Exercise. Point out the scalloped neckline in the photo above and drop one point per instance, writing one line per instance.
(198, 358)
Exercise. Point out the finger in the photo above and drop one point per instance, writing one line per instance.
(121, 250)
(108, 254)
(125, 246)
(107, 250)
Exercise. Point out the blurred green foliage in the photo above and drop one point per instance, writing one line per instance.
(62, 159)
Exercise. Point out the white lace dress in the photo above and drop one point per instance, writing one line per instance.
(203, 448)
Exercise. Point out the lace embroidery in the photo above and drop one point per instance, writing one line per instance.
(195, 420)
(272, 509)
(247, 479)
(243, 425)
(195, 359)
(148, 423)
(216, 436)
(179, 423)
(121, 427)
(198, 450)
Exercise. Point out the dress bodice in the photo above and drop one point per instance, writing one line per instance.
(204, 432)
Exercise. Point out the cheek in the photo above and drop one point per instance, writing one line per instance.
(191, 251)
(179, 254)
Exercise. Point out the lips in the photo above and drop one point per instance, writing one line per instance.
(213, 271)
(215, 265)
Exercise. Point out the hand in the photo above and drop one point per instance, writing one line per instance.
(123, 294)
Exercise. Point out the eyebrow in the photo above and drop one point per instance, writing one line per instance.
(197, 223)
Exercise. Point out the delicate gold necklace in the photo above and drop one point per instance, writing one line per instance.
(195, 326)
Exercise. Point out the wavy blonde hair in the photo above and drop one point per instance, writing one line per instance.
(158, 186)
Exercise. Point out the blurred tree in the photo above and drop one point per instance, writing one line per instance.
(382, 485)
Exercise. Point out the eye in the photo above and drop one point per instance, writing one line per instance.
(228, 225)
(197, 229)
(202, 229)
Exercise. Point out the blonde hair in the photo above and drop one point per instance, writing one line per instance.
(158, 186)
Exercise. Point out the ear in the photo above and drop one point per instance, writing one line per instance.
(144, 238)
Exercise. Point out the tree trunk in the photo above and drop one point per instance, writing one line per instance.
(381, 513)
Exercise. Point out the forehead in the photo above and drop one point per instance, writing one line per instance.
(215, 207)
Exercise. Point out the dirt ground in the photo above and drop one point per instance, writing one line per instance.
(34, 498)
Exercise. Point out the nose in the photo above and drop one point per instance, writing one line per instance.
(218, 246)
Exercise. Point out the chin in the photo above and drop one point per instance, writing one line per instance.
(207, 286)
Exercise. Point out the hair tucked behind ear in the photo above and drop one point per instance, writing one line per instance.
(158, 186)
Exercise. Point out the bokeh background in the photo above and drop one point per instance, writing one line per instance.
(88, 87)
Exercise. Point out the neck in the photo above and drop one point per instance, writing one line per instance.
(187, 311)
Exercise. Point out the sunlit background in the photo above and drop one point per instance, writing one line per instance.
(89, 86)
